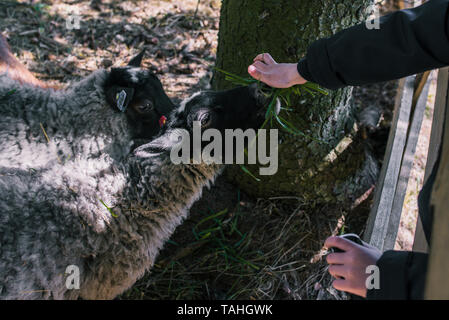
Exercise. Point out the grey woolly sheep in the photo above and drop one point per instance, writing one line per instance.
(94, 196)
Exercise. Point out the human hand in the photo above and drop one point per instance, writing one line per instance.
(349, 267)
(277, 75)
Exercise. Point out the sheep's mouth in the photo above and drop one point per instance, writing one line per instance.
(261, 113)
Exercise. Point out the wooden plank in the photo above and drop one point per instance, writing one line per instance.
(418, 106)
(380, 181)
(368, 234)
(420, 242)
(420, 83)
(438, 120)
(437, 283)
(381, 213)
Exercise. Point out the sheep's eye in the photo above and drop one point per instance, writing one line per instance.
(146, 107)
(205, 119)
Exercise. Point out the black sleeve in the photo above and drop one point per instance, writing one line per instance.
(402, 276)
(408, 42)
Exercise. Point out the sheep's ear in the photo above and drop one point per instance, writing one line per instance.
(149, 150)
(119, 97)
(137, 60)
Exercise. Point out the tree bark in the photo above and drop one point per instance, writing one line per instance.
(285, 28)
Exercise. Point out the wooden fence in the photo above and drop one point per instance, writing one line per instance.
(384, 219)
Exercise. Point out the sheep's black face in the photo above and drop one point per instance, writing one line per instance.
(242, 107)
(139, 94)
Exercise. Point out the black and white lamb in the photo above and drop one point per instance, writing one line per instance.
(80, 190)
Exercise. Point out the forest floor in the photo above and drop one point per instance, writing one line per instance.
(232, 246)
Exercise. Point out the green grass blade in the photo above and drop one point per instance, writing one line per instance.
(249, 173)
(212, 217)
(109, 209)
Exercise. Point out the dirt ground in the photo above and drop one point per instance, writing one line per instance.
(232, 246)
(180, 38)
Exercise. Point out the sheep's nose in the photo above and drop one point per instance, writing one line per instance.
(261, 97)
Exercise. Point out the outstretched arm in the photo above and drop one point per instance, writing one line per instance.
(407, 42)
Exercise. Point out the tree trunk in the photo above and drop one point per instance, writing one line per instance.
(335, 170)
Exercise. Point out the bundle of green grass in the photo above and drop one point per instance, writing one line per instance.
(285, 96)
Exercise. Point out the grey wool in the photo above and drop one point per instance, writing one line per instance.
(75, 192)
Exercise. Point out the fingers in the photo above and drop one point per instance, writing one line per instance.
(340, 243)
(256, 74)
(258, 70)
(259, 57)
(338, 271)
(261, 66)
(265, 58)
(336, 258)
(268, 59)
(341, 284)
